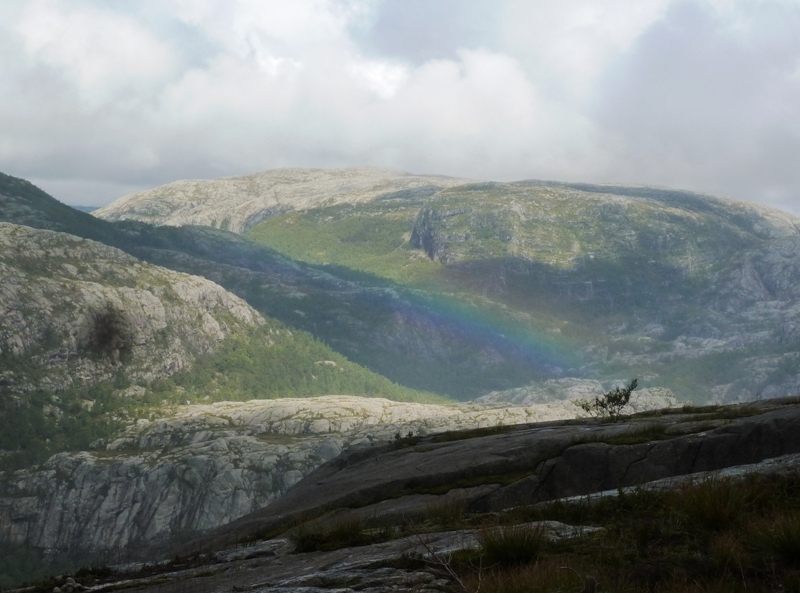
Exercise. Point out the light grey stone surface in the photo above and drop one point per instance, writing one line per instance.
(206, 465)
(238, 203)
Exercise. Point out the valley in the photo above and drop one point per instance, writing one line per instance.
(192, 357)
(545, 281)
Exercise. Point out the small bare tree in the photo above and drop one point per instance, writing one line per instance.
(610, 405)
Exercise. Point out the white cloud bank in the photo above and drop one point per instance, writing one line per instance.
(99, 98)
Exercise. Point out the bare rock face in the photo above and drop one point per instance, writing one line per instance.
(204, 466)
(523, 465)
(76, 311)
(239, 203)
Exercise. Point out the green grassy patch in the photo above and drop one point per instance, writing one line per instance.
(273, 361)
(371, 238)
(472, 433)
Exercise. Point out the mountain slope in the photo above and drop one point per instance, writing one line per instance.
(690, 292)
(77, 311)
(91, 336)
(422, 341)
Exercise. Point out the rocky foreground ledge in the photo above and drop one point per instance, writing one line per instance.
(487, 471)
(203, 466)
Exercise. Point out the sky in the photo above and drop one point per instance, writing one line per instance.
(99, 99)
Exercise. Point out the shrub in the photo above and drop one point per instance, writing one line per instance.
(110, 333)
(610, 405)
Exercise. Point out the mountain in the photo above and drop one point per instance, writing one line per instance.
(140, 402)
(238, 203)
(549, 280)
(79, 312)
(424, 341)
(202, 466)
(95, 342)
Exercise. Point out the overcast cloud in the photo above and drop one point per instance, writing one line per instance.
(98, 99)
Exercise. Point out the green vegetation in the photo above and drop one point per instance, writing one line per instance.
(37, 425)
(645, 434)
(272, 361)
(780, 536)
(565, 260)
(264, 363)
(612, 280)
(610, 405)
(449, 510)
(332, 534)
(18, 565)
(460, 435)
(372, 238)
(511, 545)
(713, 535)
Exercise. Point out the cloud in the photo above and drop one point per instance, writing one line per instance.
(709, 98)
(99, 98)
(383, 78)
(104, 53)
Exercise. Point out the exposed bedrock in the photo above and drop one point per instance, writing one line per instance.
(528, 464)
(207, 465)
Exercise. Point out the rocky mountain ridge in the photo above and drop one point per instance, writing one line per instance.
(239, 203)
(77, 311)
(526, 464)
(404, 496)
(693, 293)
(393, 331)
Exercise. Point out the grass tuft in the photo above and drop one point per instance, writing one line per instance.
(511, 545)
(448, 510)
(780, 536)
(712, 505)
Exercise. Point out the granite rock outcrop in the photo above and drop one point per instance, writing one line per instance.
(75, 311)
(239, 203)
(203, 466)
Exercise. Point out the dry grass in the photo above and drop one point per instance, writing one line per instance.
(780, 536)
(336, 533)
(712, 536)
(511, 545)
(711, 505)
